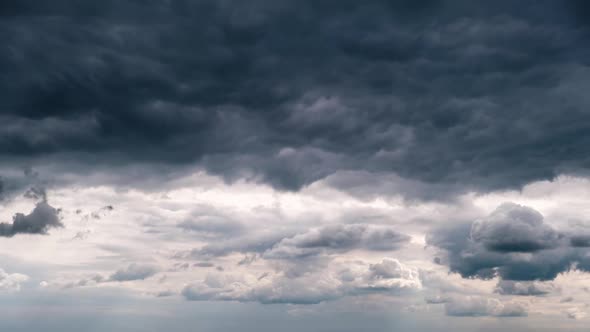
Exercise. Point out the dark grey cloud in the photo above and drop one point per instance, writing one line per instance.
(449, 93)
(38, 193)
(2, 189)
(514, 228)
(39, 221)
(23, 181)
(513, 242)
(580, 240)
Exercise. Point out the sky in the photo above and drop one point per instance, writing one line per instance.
(227, 165)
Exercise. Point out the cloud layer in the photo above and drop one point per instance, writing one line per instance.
(291, 92)
(344, 162)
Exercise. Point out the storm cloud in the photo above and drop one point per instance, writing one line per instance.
(288, 93)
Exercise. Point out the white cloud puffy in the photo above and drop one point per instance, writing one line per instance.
(11, 282)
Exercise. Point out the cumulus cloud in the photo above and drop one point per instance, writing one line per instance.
(473, 306)
(391, 274)
(513, 242)
(514, 228)
(386, 277)
(39, 221)
(11, 281)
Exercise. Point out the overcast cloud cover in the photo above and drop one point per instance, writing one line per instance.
(318, 165)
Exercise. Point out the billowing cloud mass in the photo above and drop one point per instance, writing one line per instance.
(514, 228)
(352, 165)
(289, 92)
(513, 242)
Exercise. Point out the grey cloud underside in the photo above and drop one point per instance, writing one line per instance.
(39, 221)
(513, 243)
(524, 288)
(134, 272)
(468, 96)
